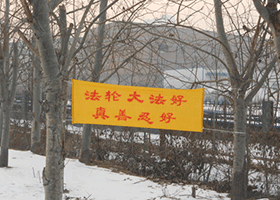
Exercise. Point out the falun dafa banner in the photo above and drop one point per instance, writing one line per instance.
(118, 105)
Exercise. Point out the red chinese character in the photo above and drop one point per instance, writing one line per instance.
(100, 112)
(114, 95)
(87, 95)
(166, 117)
(157, 99)
(122, 115)
(144, 116)
(92, 96)
(135, 96)
(177, 100)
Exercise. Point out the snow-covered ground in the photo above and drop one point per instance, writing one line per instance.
(22, 180)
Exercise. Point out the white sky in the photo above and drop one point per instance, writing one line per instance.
(193, 12)
(201, 13)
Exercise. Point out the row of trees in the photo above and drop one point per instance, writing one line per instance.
(62, 42)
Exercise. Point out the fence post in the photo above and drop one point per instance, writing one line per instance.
(267, 115)
(267, 119)
(24, 105)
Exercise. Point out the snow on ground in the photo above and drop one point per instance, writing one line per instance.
(22, 180)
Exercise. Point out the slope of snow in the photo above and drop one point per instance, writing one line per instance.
(22, 180)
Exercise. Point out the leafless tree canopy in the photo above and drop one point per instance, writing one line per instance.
(230, 48)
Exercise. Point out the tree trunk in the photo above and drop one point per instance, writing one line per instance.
(8, 101)
(53, 171)
(162, 143)
(239, 181)
(4, 154)
(85, 143)
(1, 118)
(36, 125)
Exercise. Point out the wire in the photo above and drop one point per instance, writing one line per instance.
(224, 131)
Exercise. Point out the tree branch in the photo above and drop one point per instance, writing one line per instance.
(252, 62)
(27, 10)
(53, 4)
(127, 60)
(26, 41)
(15, 73)
(260, 83)
(266, 15)
(89, 27)
(262, 11)
(232, 68)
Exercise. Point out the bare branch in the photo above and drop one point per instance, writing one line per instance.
(260, 83)
(53, 4)
(262, 10)
(89, 27)
(232, 68)
(127, 60)
(15, 73)
(27, 42)
(72, 51)
(27, 10)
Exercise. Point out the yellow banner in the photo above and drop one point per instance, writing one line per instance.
(106, 104)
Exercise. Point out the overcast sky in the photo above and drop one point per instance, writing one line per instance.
(201, 13)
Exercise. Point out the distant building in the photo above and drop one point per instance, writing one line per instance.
(145, 51)
(158, 55)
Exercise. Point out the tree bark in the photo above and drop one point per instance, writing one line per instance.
(85, 144)
(8, 100)
(1, 117)
(53, 176)
(162, 143)
(4, 154)
(36, 125)
(53, 171)
(239, 181)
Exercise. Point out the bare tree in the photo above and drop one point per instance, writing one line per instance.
(242, 49)
(55, 68)
(53, 171)
(85, 142)
(8, 81)
(36, 110)
(242, 45)
(240, 79)
(103, 52)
